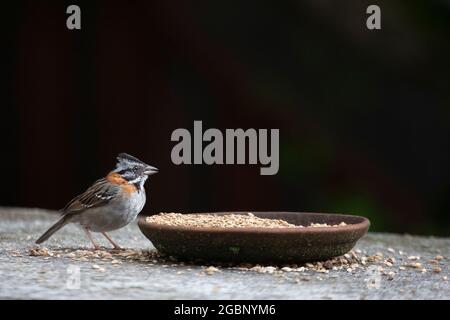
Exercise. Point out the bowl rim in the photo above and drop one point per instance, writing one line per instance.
(363, 224)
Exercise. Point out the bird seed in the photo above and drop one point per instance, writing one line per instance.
(227, 221)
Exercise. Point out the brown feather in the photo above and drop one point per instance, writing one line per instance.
(99, 194)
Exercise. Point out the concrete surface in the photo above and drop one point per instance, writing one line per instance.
(36, 277)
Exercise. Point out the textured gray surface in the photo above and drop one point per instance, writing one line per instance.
(36, 277)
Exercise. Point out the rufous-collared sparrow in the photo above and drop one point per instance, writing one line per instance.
(110, 203)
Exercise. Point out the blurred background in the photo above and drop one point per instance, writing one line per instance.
(364, 116)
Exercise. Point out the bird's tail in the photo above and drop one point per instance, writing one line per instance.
(58, 225)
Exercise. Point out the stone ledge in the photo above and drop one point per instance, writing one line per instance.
(37, 277)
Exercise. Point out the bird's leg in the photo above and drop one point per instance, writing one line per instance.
(89, 235)
(116, 247)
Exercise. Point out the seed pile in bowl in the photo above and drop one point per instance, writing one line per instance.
(226, 221)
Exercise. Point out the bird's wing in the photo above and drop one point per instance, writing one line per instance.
(99, 194)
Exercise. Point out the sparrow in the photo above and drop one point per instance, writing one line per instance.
(110, 203)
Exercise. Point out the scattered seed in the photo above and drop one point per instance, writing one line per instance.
(270, 269)
(351, 262)
(97, 267)
(413, 258)
(97, 255)
(416, 265)
(210, 270)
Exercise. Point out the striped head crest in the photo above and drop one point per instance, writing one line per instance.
(126, 160)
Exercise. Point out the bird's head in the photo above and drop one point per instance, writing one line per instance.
(133, 170)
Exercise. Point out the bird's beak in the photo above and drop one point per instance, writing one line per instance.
(149, 170)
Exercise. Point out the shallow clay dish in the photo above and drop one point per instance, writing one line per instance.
(260, 245)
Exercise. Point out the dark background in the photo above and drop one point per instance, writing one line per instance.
(364, 116)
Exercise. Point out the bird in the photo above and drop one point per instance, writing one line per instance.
(110, 203)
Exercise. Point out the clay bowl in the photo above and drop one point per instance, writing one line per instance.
(260, 245)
